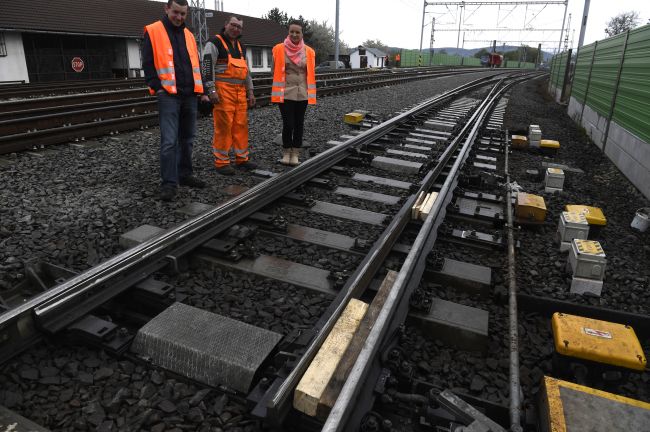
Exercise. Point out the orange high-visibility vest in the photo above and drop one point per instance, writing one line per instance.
(279, 77)
(163, 57)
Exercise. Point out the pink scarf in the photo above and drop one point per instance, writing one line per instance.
(296, 52)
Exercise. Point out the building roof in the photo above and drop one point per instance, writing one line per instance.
(120, 18)
(374, 51)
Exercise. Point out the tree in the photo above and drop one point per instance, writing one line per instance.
(283, 19)
(622, 23)
(277, 15)
(482, 52)
(322, 40)
(376, 44)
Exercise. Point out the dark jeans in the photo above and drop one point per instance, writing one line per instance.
(293, 121)
(177, 115)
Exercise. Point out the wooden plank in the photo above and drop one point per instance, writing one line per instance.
(314, 381)
(339, 377)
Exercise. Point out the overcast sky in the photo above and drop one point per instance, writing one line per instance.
(398, 22)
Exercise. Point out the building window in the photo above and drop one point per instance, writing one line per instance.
(257, 58)
(3, 46)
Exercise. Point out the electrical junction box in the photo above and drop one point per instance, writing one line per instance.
(530, 208)
(594, 215)
(534, 135)
(519, 141)
(573, 225)
(550, 144)
(587, 262)
(354, 118)
(598, 341)
(554, 180)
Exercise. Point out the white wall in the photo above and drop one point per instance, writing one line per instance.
(13, 67)
(267, 57)
(355, 61)
(373, 61)
(629, 153)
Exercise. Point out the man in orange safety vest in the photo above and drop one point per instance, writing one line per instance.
(230, 89)
(170, 60)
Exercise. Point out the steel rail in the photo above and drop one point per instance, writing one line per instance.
(99, 96)
(57, 135)
(63, 304)
(278, 402)
(514, 378)
(396, 305)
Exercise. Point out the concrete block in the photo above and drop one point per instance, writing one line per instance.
(406, 154)
(396, 165)
(455, 324)
(586, 286)
(139, 235)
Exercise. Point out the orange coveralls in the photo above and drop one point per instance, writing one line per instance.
(230, 117)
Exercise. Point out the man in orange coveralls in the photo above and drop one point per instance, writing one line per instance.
(230, 89)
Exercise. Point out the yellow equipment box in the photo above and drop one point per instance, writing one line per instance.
(519, 141)
(550, 144)
(530, 208)
(594, 215)
(353, 118)
(598, 341)
(569, 407)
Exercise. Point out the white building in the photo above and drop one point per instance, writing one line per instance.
(363, 58)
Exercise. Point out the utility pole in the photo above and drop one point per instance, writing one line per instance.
(566, 34)
(460, 20)
(336, 36)
(566, 6)
(583, 26)
(424, 8)
(199, 23)
(433, 29)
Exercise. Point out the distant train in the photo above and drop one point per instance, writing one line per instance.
(492, 60)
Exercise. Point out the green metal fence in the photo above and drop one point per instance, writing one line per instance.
(410, 58)
(632, 105)
(612, 77)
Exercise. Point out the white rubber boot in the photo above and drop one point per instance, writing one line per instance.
(295, 152)
(286, 156)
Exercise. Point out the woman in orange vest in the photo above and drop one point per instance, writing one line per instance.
(294, 86)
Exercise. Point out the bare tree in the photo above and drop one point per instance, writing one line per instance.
(622, 23)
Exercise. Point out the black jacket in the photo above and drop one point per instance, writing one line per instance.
(182, 62)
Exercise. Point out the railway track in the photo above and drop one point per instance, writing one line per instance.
(357, 203)
(26, 124)
(59, 309)
(59, 88)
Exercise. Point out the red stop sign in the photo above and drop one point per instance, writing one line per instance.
(77, 64)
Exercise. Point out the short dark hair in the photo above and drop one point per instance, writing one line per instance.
(178, 2)
(235, 17)
(295, 22)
